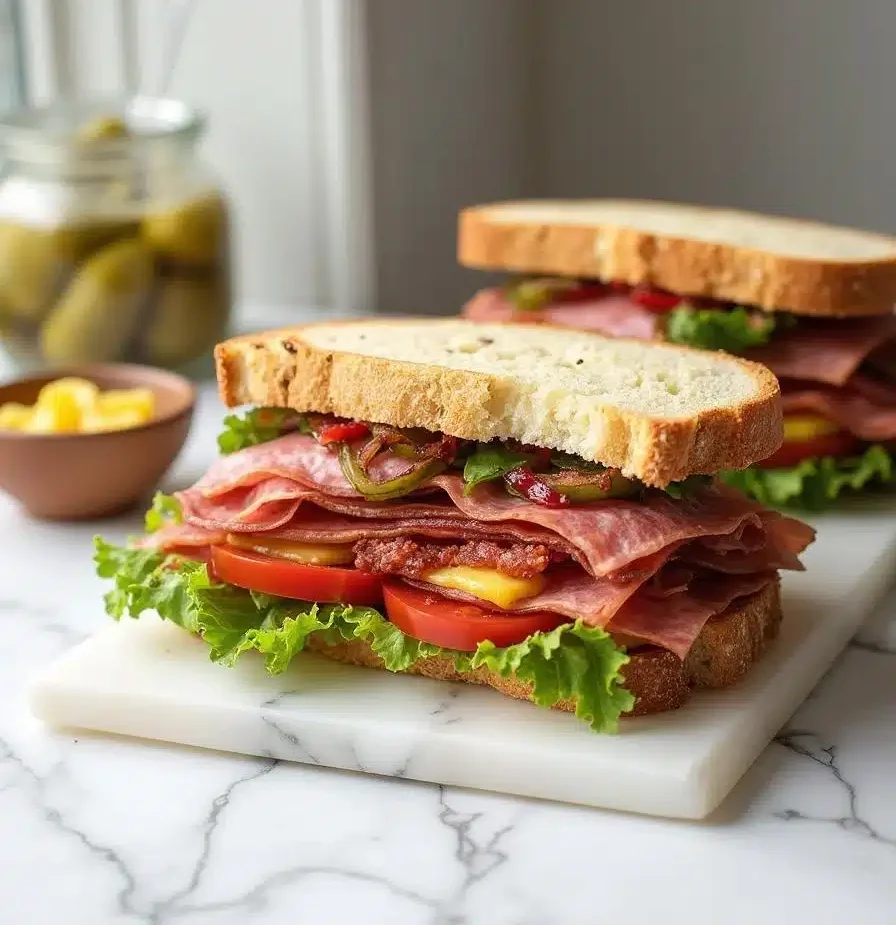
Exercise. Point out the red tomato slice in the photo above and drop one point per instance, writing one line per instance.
(321, 583)
(840, 444)
(456, 625)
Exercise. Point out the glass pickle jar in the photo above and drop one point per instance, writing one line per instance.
(114, 238)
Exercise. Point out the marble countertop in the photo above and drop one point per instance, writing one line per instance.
(99, 830)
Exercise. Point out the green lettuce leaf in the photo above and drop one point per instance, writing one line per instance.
(165, 509)
(733, 330)
(814, 484)
(146, 579)
(571, 661)
(258, 426)
(490, 461)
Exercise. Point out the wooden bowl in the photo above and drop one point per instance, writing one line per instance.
(80, 476)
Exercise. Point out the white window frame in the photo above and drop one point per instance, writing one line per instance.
(75, 47)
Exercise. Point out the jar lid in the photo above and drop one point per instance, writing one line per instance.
(98, 132)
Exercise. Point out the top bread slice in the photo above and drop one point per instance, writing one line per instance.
(657, 412)
(764, 261)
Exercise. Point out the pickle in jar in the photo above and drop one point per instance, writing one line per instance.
(35, 262)
(96, 317)
(192, 232)
(189, 316)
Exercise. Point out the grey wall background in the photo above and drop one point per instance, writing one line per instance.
(451, 121)
(778, 105)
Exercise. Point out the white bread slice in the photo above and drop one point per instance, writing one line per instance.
(759, 260)
(722, 654)
(656, 411)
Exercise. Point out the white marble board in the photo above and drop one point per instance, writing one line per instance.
(149, 679)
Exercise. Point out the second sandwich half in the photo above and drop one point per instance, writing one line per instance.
(530, 509)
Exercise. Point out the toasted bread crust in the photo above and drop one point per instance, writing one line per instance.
(690, 267)
(723, 653)
(280, 369)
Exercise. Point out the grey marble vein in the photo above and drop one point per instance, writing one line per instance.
(810, 745)
(160, 910)
(257, 897)
(36, 785)
(301, 750)
(477, 860)
(164, 908)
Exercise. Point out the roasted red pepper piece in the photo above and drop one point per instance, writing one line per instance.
(526, 483)
(657, 300)
(343, 432)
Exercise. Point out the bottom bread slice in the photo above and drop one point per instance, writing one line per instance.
(722, 654)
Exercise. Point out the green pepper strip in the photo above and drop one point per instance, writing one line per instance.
(593, 489)
(394, 488)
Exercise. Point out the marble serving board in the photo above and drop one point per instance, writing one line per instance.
(150, 679)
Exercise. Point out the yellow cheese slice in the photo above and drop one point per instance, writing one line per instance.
(305, 553)
(487, 584)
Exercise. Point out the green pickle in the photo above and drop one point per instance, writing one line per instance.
(109, 252)
(193, 232)
(188, 317)
(96, 317)
(35, 263)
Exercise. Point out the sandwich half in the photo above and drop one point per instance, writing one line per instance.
(529, 509)
(812, 302)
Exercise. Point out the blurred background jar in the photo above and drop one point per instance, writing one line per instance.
(114, 237)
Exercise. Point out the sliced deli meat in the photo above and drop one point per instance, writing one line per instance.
(610, 538)
(847, 406)
(824, 351)
(670, 618)
(569, 592)
(183, 537)
(298, 457)
(614, 314)
(652, 568)
(615, 535)
(675, 621)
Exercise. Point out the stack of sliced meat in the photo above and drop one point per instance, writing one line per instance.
(615, 314)
(654, 568)
(824, 367)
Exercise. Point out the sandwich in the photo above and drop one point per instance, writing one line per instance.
(812, 302)
(529, 509)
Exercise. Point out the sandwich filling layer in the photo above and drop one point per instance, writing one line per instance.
(838, 376)
(310, 524)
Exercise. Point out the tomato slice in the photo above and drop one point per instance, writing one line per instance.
(791, 453)
(321, 583)
(457, 625)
